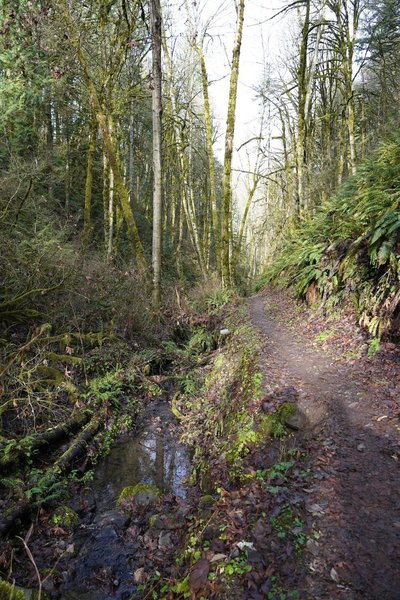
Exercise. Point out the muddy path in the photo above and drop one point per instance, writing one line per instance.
(353, 494)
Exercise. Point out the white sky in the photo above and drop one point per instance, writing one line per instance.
(262, 42)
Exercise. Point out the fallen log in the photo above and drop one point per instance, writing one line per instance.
(75, 449)
(79, 444)
(20, 510)
(51, 436)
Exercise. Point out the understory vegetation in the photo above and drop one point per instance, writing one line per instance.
(127, 245)
(348, 252)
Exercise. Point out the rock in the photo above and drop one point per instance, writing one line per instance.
(105, 535)
(334, 575)
(84, 503)
(206, 501)
(114, 519)
(312, 547)
(315, 510)
(224, 332)
(295, 421)
(142, 494)
(218, 558)
(160, 521)
(165, 540)
(361, 447)
(140, 576)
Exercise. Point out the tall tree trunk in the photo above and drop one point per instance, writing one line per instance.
(106, 191)
(211, 162)
(50, 150)
(155, 11)
(236, 252)
(226, 237)
(110, 215)
(303, 87)
(67, 180)
(184, 183)
(87, 210)
(131, 154)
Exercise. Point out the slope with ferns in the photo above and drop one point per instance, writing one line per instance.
(350, 249)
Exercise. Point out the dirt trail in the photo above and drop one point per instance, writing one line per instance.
(354, 490)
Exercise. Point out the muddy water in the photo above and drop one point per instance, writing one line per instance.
(104, 559)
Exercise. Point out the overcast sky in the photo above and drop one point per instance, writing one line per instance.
(263, 40)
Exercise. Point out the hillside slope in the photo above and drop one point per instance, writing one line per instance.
(350, 249)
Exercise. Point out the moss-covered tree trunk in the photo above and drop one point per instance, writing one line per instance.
(155, 11)
(216, 227)
(87, 209)
(226, 233)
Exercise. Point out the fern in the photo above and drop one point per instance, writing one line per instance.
(351, 245)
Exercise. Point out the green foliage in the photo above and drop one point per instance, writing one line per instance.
(236, 566)
(122, 424)
(325, 335)
(350, 247)
(141, 493)
(65, 517)
(107, 357)
(24, 445)
(45, 486)
(110, 387)
(373, 347)
(288, 525)
(9, 592)
(218, 298)
(201, 342)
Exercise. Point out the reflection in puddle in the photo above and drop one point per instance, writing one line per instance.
(153, 456)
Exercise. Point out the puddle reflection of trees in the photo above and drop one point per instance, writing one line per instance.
(154, 458)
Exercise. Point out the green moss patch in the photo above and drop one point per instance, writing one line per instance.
(141, 493)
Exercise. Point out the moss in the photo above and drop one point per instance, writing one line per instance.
(206, 501)
(153, 520)
(273, 425)
(65, 517)
(141, 493)
(9, 592)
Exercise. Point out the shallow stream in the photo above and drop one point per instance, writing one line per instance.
(103, 559)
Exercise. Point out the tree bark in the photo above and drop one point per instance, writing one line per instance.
(87, 211)
(155, 11)
(226, 237)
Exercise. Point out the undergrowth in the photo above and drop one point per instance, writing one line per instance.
(349, 250)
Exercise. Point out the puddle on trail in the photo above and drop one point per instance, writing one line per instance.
(104, 559)
(151, 455)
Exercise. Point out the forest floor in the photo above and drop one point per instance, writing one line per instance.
(349, 433)
(286, 505)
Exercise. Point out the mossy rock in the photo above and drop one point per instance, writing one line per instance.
(274, 424)
(142, 494)
(65, 517)
(153, 520)
(9, 592)
(206, 501)
(207, 481)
